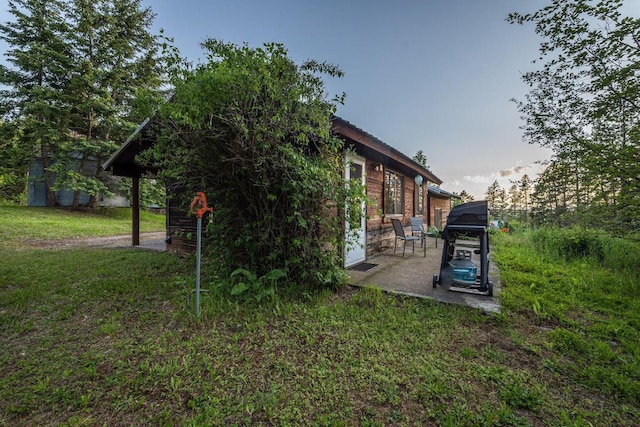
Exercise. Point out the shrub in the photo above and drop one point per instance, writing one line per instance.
(254, 129)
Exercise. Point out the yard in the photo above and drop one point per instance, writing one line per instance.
(105, 337)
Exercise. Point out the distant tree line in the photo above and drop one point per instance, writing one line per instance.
(584, 104)
(510, 204)
(70, 90)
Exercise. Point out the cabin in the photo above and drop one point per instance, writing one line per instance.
(396, 186)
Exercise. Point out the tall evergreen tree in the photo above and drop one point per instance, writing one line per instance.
(115, 57)
(33, 98)
(524, 187)
(77, 67)
(494, 199)
(421, 159)
(514, 199)
(465, 197)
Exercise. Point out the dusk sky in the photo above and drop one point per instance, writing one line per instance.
(435, 76)
(430, 75)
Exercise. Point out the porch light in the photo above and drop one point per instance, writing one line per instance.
(418, 180)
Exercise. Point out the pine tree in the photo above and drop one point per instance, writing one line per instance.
(495, 196)
(115, 57)
(34, 96)
(77, 67)
(465, 197)
(421, 159)
(524, 188)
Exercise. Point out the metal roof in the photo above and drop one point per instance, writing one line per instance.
(437, 190)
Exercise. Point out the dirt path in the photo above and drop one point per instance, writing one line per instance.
(153, 241)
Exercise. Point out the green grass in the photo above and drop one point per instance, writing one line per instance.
(106, 337)
(20, 224)
(588, 305)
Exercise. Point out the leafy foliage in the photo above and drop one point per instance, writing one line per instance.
(258, 287)
(584, 104)
(14, 165)
(253, 128)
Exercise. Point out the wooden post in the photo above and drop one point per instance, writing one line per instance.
(135, 211)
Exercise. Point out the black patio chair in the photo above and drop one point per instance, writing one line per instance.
(418, 228)
(399, 230)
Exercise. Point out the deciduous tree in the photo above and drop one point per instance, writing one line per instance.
(584, 103)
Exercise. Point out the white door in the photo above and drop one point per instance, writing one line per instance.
(355, 238)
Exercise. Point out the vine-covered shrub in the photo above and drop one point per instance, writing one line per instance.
(254, 129)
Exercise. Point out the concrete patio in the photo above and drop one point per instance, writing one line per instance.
(413, 275)
(409, 275)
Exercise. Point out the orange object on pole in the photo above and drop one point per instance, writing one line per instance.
(200, 201)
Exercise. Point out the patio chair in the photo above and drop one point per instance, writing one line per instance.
(399, 230)
(418, 228)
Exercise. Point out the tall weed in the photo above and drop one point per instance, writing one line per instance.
(592, 245)
(569, 243)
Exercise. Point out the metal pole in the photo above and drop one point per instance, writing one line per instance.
(198, 244)
(199, 201)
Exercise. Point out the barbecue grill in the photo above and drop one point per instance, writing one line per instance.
(466, 238)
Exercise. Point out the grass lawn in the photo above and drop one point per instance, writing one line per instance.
(19, 224)
(105, 337)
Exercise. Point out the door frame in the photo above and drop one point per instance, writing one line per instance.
(361, 252)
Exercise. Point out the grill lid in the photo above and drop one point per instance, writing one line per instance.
(471, 213)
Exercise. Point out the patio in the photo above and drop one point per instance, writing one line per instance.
(409, 275)
(413, 275)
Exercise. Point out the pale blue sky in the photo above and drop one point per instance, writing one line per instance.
(423, 75)
(431, 75)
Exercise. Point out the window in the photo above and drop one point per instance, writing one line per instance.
(393, 197)
(439, 218)
(420, 199)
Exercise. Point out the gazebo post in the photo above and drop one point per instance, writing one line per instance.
(135, 211)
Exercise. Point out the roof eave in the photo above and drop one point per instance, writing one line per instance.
(349, 130)
(130, 140)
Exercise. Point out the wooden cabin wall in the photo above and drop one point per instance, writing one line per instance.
(179, 223)
(380, 234)
(442, 203)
